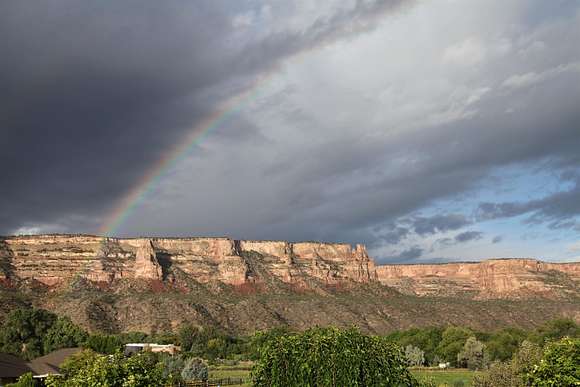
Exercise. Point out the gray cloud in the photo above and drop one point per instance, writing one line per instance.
(93, 96)
(439, 223)
(354, 141)
(468, 236)
(497, 239)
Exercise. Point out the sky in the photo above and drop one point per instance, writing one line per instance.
(430, 131)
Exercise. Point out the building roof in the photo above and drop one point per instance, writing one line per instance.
(12, 366)
(50, 363)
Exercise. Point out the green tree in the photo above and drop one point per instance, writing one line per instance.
(63, 334)
(472, 355)
(499, 374)
(452, 341)
(503, 344)
(23, 330)
(415, 356)
(526, 357)
(331, 357)
(425, 338)
(187, 336)
(557, 329)
(106, 344)
(142, 370)
(510, 374)
(172, 367)
(90, 369)
(559, 365)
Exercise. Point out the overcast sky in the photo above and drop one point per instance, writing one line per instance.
(429, 130)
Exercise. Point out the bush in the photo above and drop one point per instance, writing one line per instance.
(498, 375)
(559, 365)
(194, 369)
(25, 380)
(106, 344)
(331, 357)
(452, 342)
(90, 369)
(472, 355)
(415, 356)
(23, 331)
(63, 334)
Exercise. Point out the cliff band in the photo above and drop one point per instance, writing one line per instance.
(53, 260)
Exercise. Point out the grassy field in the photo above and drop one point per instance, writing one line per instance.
(451, 378)
(239, 371)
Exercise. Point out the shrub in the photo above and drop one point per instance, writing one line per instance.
(452, 341)
(106, 344)
(415, 356)
(331, 357)
(498, 375)
(63, 334)
(194, 369)
(23, 331)
(558, 366)
(472, 355)
(25, 380)
(90, 369)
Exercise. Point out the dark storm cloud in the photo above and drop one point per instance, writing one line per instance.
(439, 223)
(468, 236)
(93, 93)
(463, 237)
(412, 253)
(559, 209)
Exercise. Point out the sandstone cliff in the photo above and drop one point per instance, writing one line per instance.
(157, 284)
(57, 259)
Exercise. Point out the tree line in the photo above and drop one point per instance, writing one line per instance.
(512, 355)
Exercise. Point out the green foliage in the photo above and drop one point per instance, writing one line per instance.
(415, 356)
(142, 370)
(25, 380)
(526, 357)
(472, 355)
(106, 344)
(557, 329)
(23, 331)
(499, 374)
(331, 357)
(452, 342)
(134, 337)
(210, 343)
(559, 366)
(260, 338)
(427, 339)
(195, 369)
(502, 345)
(511, 374)
(63, 334)
(172, 367)
(89, 369)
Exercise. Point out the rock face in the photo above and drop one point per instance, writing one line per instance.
(57, 259)
(494, 278)
(146, 264)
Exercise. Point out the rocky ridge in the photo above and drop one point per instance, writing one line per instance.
(53, 260)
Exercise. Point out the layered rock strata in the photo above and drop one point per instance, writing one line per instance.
(57, 259)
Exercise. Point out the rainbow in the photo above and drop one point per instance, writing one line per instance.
(139, 192)
(225, 111)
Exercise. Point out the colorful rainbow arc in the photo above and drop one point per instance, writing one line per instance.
(227, 109)
(153, 176)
